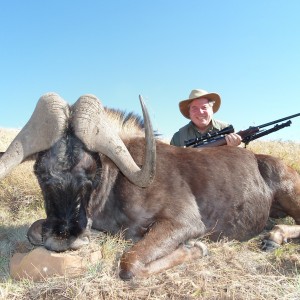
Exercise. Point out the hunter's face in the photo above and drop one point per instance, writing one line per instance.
(201, 113)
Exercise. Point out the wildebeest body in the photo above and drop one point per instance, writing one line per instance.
(211, 195)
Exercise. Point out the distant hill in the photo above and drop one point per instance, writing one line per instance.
(6, 136)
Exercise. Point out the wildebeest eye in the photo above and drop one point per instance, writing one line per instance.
(84, 191)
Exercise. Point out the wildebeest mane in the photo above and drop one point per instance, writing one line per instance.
(126, 124)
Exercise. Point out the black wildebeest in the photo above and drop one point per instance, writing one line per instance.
(100, 169)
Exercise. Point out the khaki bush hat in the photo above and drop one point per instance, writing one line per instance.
(198, 94)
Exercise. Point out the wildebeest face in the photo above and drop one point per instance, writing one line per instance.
(67, 180)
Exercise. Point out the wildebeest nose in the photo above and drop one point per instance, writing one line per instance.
(34, 233)
(79, 242)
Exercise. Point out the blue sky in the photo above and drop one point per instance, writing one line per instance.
(247, 51)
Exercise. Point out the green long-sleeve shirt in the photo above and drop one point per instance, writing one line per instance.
(190, 131)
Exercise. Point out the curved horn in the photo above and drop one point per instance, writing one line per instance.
(46, 125)
(92, 128)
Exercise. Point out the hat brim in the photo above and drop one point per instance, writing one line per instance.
(184, 104)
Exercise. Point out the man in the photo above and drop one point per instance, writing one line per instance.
(199, 108)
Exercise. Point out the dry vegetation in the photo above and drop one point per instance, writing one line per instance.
(233, 270)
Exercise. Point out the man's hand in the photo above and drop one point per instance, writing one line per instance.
(233, 139)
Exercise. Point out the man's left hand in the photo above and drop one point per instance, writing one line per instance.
(233, 139)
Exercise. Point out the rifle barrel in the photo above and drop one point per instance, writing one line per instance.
(277, 121)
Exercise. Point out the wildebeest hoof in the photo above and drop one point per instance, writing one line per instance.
(268, 245)
(126, 275)
(200, 245)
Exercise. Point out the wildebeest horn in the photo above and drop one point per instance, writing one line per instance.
(43, 129)
(93, 129)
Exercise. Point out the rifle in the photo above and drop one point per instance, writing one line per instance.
(248, 135)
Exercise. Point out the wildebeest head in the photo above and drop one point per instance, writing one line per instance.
(68, 142)
(67, 174)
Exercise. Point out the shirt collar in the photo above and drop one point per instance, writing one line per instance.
(212, 125)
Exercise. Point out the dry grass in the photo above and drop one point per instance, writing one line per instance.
(289, 151)
(232, 270)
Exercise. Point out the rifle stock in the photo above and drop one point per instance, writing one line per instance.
(245, 134)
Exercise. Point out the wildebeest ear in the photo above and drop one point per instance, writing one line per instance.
(46, 125)
(35, 233)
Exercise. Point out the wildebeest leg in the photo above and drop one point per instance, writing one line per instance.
(280, 234)
(188, 251)
(288, 201)
(285, 183)
(289, 196)
(162, 248)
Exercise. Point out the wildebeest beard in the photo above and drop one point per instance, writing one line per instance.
(67, 174)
